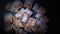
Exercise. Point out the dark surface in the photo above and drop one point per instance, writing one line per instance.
(52, 24)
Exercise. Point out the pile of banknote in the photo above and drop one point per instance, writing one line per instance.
(25, 16)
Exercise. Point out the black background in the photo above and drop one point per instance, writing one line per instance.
(47, 4)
